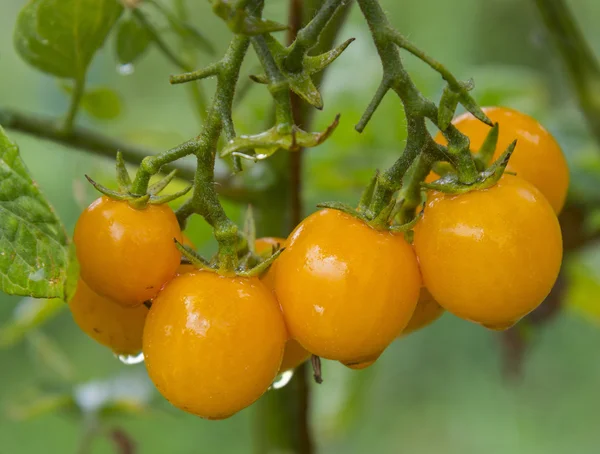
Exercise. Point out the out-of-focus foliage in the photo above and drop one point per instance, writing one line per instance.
(440, 390)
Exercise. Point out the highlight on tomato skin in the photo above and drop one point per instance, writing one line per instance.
(232, 324)
(537, 158)
(332, 266)
(124, 253)
(490, 256)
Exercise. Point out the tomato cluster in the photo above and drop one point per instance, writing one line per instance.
(341, 289)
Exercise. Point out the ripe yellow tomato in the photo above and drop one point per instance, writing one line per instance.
(126, 254)
(363, 364)
(346, 289)
(294, 354)
(490, 256)
(426, 312)
(537, 157)
(213, 344)
(108, 323)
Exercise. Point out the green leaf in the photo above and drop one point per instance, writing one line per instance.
(29, 314)
(33, 242)
(99, 102)
(132, 40)
(72, 274)
(102, 103)
(60, 37)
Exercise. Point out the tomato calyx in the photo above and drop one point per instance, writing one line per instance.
(138, 201)
(450, 184)
(250, 263)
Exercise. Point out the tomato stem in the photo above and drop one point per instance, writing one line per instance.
(418, 109)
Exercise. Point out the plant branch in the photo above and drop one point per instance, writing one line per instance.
(416, 107)
(162, 45)
(308, 37)
(276, 82)
(196, 90)
(94, 142)
(204, 199)
(579, 60)
(76, 95)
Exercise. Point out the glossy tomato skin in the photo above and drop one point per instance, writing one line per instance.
(213, 344)
(346, 290)
(126, 254)
(426, 312)
(108, 323)
(490, 256)
(294, 353)
(537, 157)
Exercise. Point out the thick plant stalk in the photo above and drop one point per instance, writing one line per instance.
(578, 59)
(282, 423)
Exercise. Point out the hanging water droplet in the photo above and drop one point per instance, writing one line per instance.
(283, 379)
(126, 69)
(131, 359)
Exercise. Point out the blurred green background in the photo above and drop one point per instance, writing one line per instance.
(442, 390)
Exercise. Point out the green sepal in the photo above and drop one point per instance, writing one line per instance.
(262, 267)
(240, 22)
(159, 200)
(367, 195)
(486, 152)
(469, 103)
(123, 178)
(156, 188)
(250, 229)
(117, 195)
(300, 82)
(447, 108)
(193, 257)
(344, 209)
(382, 220)
(403, 228)
(139, 203)
(284, 137)
(442, 168)
(493, 173)
(246, 261)
(450, 183)
(318, 63)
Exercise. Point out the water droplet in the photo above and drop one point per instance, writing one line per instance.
(283, 379)
(126, 69)
(38, 275)
(131, 359)
(261, 156)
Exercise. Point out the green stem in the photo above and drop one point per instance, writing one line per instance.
(410, 195)
(196, 91)
(78, 90)
(308, 36)
(579, 60)
(162, 45)
(416, 107)
(277, 83)
(151, 165)
(204, 199)
(93, 142)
